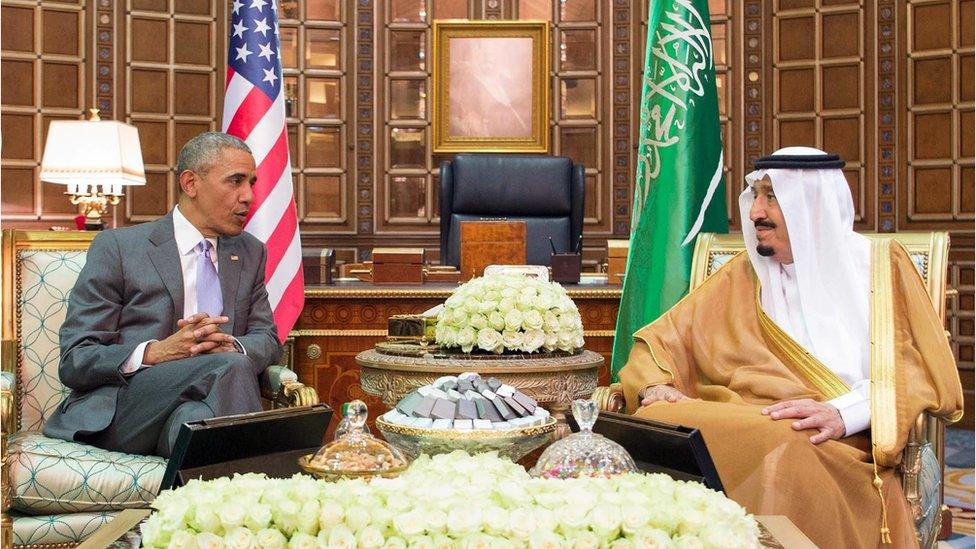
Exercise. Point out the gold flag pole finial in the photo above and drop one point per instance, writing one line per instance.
(93, 114)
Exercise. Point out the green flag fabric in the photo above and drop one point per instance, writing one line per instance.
(680, 188)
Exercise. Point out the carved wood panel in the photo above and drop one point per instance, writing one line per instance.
(172, 51)
(45, 66)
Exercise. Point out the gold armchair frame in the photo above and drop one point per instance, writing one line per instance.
(930, 252)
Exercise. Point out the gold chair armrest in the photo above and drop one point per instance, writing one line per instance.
(610, 399)
(294, 394)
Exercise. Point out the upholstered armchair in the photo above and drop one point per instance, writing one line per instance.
(57, 493)
(544, 191)
(923, 464)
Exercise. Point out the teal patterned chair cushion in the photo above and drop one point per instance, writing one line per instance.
(61, 530)
(45, 279)
(55, 476)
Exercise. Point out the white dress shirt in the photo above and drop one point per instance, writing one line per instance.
(854, 406)
(187, 240)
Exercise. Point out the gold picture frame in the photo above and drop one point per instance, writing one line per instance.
(490, 86)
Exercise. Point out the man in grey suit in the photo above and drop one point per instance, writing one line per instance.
(169, 321)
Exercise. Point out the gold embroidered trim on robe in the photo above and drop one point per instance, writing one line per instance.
(802, 361)
(884, 418)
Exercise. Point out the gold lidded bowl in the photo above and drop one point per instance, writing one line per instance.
(356, 454)
(511, 443)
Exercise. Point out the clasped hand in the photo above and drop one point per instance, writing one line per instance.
(811, 415)
(195, 335)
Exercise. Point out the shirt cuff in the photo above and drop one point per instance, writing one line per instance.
(855, 411)
(134, 363)
(239, 346)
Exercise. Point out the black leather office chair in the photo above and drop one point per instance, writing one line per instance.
(544, 191)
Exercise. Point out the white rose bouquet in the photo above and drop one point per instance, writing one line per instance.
(515, 313)
(449, 500)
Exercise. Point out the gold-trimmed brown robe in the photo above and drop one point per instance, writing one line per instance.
(718, 347)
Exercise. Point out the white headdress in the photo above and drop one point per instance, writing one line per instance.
(832, 262)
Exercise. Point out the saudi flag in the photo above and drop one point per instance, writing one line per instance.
(680, 190)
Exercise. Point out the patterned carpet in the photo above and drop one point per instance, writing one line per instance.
(959, 486)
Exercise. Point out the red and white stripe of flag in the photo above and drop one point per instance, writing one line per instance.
(260, 122)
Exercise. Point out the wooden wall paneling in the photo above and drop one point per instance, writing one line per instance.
(823, 89)
(45, 77)
(936, 120)
(626, 85)
(171, 90)
(367, 35)
(317, 51)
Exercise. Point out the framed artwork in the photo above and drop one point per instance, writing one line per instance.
(491, 86)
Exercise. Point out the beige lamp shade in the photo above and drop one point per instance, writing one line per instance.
(85, 154)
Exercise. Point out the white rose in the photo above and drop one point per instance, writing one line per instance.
(475, 541)
(341, 537)
(502, 543)
(496, 520)
(496, 321)
(490, 340)
(605, 521)
(544, 301)
(567, 321)
(238, 538)
(301, 540)
(652, 538)
(533, 340)
(583, 539)
(567, 341)
(471, 305)
(357, 518)
(513, 319)
(572, 518)
(532, 320)
(621, 544)
(209, 540)
(285, 515)
(409, 524)
(552, 342)
(512, 340)
(506, 305)
(634, 519)
(692, 521)
(541, 539)
(269, 538)
(488, 304)
(382, 518)
(258, 516)
(330, 514)
(436, 520)
(687, 542)
(478, 321)
(551, 320)
(205, 520)
(395, 542)
(443, 542)
(459, 318)
(461, 522)
(466, 338)
(521, 523)
(421, 542)
(181, 539)
(370, 537)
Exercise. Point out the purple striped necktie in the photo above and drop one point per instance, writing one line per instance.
(209, 299)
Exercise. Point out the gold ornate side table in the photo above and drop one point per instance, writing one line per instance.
(390, 371)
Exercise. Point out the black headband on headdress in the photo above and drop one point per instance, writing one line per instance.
(800, 162)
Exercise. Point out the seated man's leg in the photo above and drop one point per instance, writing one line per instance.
(771, 469)
(224, 382)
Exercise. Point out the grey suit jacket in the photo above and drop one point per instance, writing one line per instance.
(130, 291)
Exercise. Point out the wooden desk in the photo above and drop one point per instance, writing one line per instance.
(341, 320)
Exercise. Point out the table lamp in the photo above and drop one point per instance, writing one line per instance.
(95, 158)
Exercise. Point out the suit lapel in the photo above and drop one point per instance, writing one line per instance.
(229, 269)
(165, 258)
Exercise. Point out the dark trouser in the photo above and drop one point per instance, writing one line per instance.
(160, 398)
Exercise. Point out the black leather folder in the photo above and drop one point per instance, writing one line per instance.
(657, 447)
(267, 442)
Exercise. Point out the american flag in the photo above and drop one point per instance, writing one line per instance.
(254, 110)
